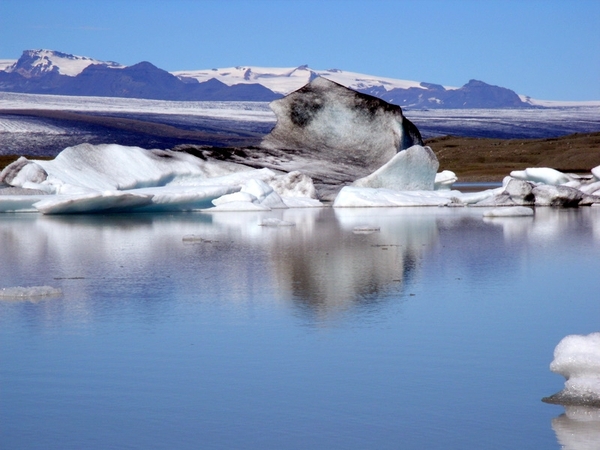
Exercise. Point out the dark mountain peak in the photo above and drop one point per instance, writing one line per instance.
(213, 82)
(144, 65)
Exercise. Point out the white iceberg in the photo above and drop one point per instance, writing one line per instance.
(115, 178)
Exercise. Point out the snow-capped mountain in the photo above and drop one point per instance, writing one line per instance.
(286, 80)
(37, 63)
(51, 72)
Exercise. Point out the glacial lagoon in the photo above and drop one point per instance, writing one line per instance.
(354, 328)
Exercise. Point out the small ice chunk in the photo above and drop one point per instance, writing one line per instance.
(577, 358)
(274, 222)
(29, 292)
(509, 211)
(444, 180)
(543, 175)
(294, 184)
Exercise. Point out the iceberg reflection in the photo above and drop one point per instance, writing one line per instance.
(578, 428)
(320, 264)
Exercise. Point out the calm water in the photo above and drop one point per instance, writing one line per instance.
(435, 332)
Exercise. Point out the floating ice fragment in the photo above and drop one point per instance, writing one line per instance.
(444, 180)
(30, 292)
(510, 211)
(577, 358)
(544, 175)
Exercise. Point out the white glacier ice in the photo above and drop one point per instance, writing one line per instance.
(444, 180)
(577, 358)
(413, 169)
(115, 178)
(543, 175)
(357, 197)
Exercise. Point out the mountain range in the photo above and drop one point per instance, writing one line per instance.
(52, 72)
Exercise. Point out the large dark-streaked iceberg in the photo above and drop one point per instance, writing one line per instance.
(336, 135)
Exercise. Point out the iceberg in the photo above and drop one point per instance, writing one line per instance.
(114, 178)
(330, 143)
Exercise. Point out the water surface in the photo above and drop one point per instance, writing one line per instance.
(434, 332)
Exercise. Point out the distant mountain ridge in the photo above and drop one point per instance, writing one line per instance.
(52, 72)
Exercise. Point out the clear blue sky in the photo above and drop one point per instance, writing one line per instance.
(548, 49)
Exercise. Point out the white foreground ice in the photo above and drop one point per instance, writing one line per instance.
(577, 358)
(114, 178)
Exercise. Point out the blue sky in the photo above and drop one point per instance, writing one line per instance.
(548, 49)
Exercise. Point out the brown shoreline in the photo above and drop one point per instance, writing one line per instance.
(490, 160)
